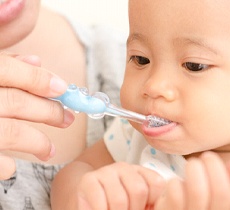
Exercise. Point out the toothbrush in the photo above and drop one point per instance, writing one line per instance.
(98, 105)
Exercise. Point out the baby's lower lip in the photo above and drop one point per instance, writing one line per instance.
(157, 131)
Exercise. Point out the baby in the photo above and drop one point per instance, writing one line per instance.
(178, 69)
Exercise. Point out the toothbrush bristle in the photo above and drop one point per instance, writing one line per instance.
(154, 121)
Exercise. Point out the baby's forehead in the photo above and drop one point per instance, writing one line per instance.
(189, 13)
(201, 24)
(189, 5)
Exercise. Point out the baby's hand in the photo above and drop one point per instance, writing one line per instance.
(206, 187)
(119, 186)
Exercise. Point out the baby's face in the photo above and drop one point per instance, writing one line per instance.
(17, 19)
(178, 68)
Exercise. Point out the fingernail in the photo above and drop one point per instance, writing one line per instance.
(68, 118)
(52, 151)
(82, 204)
(57, 85)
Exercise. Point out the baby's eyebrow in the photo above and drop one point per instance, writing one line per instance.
(196, 42)
(133, 37)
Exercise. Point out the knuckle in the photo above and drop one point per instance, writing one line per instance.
(36, 77)
(9, 131)
(88, 177)
(6, 66)
(120, 202)
(54, 111)
(141, 190)
(120, 165)
(14, 101)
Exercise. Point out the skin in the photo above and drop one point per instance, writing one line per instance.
(178, 68)
(11, 34)
(39, 35)
(169, 89)
(14, 134)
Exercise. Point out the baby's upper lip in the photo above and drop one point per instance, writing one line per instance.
(159, 115)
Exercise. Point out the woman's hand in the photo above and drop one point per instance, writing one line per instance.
(24, 89)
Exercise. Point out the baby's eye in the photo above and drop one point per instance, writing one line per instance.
(139, 60)
(195, 66)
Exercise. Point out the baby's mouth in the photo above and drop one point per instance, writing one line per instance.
(154, 121)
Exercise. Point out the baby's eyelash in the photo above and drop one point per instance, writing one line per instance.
(139, 60)
(190, 66)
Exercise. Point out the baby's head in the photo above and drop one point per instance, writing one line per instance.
(17, 19)
(178, 68)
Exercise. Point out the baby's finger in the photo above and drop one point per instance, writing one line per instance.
(17, 136)
(155, 183)
(19, 104)
(7, 166)
(114, 188)
(18, 74)
(196, 185)
(218, 180)
(91, 193)
(173, 197)
(131, 189)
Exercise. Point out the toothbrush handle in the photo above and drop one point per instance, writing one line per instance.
(115, 111)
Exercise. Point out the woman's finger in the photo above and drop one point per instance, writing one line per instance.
(18, 74)
(19, 104)
(17, 136)
(7, 166)
(30, 59)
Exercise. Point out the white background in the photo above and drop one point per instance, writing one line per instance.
(108, 12)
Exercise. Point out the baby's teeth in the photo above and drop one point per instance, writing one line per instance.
(154, 121)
